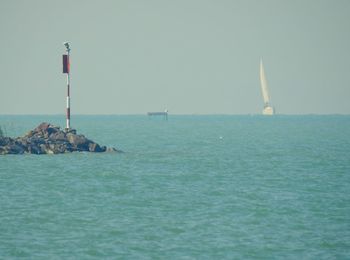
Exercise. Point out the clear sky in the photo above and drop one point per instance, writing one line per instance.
(189, 56)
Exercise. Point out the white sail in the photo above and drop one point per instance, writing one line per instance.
(268, 109)
(263, 83)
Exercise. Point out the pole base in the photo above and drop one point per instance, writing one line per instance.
(70, 130)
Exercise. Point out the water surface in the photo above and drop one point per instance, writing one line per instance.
(193, 187)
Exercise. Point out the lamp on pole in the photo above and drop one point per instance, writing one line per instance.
(66, 70)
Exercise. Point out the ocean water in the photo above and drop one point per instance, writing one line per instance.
(192, 187)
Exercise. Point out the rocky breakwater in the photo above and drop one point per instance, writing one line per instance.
(50, 139)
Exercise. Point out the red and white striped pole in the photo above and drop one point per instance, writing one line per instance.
(66, 69)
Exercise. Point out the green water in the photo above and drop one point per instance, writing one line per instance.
(194, 187)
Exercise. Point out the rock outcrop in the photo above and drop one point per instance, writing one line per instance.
(50, 139)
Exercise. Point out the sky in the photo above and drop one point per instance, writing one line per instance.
(187, 56)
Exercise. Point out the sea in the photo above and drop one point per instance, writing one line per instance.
(191, 187)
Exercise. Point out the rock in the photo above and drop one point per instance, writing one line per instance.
(57, 148)
(34, 149)
(42, 127)
(93, 147)
(43, 148)
(5, 141)
(76, 139)
(15, 149)
(79, 141)
(50, 139)
(72, 131)
(52, 129)
(30, 133)
(58, 136)
(37, 140)
(111, 150)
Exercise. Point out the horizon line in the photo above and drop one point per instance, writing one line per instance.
(184, 114)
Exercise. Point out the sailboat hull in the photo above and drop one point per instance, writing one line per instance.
(268, 111)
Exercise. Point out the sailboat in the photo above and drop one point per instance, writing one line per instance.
(268, 109)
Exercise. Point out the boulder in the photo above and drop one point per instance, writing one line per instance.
(30, 133)
(58, 136)
(51, 130)
(15, 149)
(57, 148)
(93, 147)
(79, 141)
(5, 141)
(37, 140)
(111, 150)
(35, 149)
(42, 127)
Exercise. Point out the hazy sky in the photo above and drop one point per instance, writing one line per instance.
(189, 56)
